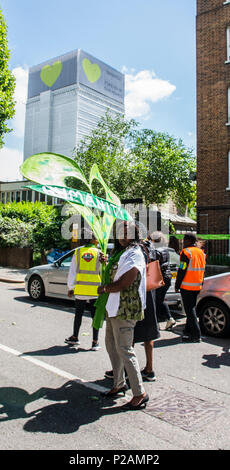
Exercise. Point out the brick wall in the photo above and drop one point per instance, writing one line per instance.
(16, 257)
(213, 136)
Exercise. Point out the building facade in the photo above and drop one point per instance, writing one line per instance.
(213, 117)
(67, 96)
(15, 191)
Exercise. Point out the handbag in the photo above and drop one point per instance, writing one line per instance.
(154, 278)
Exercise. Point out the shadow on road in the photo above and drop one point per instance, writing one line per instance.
(48, 302)
(76, 406)
(55, 351)
(215, 361)
(160, 343)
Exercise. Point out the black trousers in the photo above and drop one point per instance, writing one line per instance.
(192, 327)
(80, 306)
(162, 308)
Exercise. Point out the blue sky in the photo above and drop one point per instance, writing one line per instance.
(153, 42)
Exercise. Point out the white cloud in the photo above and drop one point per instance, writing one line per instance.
(10, 160)
(143, 89)
(20, 96)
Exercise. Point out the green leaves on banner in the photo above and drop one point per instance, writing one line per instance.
(51, 170)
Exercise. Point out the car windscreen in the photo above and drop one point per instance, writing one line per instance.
(174, 258)
(66, 262)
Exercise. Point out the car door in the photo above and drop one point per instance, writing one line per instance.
(58, 275)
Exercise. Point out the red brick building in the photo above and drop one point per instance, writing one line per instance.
(213, 116)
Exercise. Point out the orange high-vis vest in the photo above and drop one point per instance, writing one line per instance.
(88, 277)
(193, 279)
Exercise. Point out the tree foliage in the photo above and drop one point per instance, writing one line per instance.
(106, 146)
(7, 82)
(15, 232)
(138, 163)
(31, 224)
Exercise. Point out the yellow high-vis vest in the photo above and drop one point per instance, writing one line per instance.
(88, 277)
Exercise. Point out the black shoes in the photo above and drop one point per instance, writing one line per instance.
(116, 394)
(190, 339)
(72, 340)
(109, 374)
(141, 405)
(148, 376)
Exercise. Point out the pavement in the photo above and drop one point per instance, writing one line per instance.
(11, 274)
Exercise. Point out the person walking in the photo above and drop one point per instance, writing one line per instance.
(189, 280)
(83, 281)
(125, 306)
(147, 330)
(162, 307)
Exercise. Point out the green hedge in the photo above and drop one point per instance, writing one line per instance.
(31, 224)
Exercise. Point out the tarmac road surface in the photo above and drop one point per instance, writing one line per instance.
(50, 393)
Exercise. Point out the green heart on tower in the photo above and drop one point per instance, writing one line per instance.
(92, 71)
(50, 73)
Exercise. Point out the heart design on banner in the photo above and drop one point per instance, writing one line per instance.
(50, 73)
(92, 71)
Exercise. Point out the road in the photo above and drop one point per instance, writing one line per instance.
(50, 393)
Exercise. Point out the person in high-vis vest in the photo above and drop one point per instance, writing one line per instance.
(190, 277)
(83, 281)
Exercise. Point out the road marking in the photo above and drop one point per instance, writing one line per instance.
(53, 369)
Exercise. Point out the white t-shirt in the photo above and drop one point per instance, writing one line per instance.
(131, 258)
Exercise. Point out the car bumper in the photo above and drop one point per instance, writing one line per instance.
(173, 298)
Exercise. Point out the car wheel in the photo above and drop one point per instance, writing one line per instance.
(215, 319)
(36, 288)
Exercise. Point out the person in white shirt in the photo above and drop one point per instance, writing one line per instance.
(125, 306)
(83, 281)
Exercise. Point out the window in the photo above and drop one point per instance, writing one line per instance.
(17, 196)
(66, 262)
(228, 43)
(24, 195)
(228, 106)
(229, 234)
(29, 195)
(229, 169)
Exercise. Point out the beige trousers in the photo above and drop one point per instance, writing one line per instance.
(119, 345)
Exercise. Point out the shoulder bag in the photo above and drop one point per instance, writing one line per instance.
(154, 278)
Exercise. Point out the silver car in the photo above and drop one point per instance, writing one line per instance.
(213, 306)
(51, 279)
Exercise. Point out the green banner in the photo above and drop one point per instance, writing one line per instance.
(51, 170)
(220, 236)
(83, 199)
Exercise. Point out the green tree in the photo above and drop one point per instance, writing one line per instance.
(138, 163)
(31, 224)
(7, 82)
(164, 168)
(15, 232)
(108, 146)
